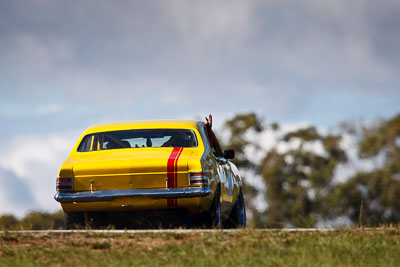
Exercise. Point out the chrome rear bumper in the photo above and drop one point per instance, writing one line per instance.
(108, 195)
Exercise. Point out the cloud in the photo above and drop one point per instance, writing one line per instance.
(15, 194)
(257, 50)
(218, 27)
(32, 164)
(21, 150)
(354, 163)
(45, 110)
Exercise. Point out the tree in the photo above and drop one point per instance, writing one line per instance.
(372, 198)
(8, 222)
(42, 221)
(238, 128)
(299, 173)
(299, 180)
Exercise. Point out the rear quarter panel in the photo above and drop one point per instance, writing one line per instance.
(230, 185)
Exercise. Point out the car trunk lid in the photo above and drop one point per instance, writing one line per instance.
(135, 168)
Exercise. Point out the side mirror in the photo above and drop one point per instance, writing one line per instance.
(229, 154)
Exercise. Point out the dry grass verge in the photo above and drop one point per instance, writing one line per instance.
(244, 248)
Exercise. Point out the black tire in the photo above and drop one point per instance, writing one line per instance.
(214, 214)
(237, 217)
(74, 220)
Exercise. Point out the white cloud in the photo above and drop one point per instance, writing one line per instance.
(209, 24)
(354, 163)
(316, 147)
(22, 150)
(258, 55)
(293, 144)
(31, 54)
(15, 194)
(48, 109)
(32, 163)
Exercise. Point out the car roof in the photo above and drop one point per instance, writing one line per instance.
(155, 124)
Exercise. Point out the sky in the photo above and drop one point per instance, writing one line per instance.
(66, 65)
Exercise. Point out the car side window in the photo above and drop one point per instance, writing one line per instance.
(214, 144)
(86, 144)
(217, 150)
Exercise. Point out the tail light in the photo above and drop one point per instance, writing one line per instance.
(65, 184)
(198, 178)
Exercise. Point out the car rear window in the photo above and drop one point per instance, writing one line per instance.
(137, 139)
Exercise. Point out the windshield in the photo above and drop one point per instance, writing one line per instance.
(138, 139)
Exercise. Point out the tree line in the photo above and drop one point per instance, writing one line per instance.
(300, 185)
(34, 220)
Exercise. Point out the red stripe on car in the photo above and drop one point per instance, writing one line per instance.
(172, 173)
(176, 167)
(171, 167)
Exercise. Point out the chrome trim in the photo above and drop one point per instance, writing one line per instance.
(202, 182)
(108, 195)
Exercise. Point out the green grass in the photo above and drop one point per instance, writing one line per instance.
(348, 247)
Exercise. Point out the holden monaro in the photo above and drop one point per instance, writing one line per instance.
(153, 165)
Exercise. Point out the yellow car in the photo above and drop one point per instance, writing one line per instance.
(150, 166)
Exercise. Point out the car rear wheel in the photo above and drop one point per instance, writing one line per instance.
(214, 214)
(237, 217)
